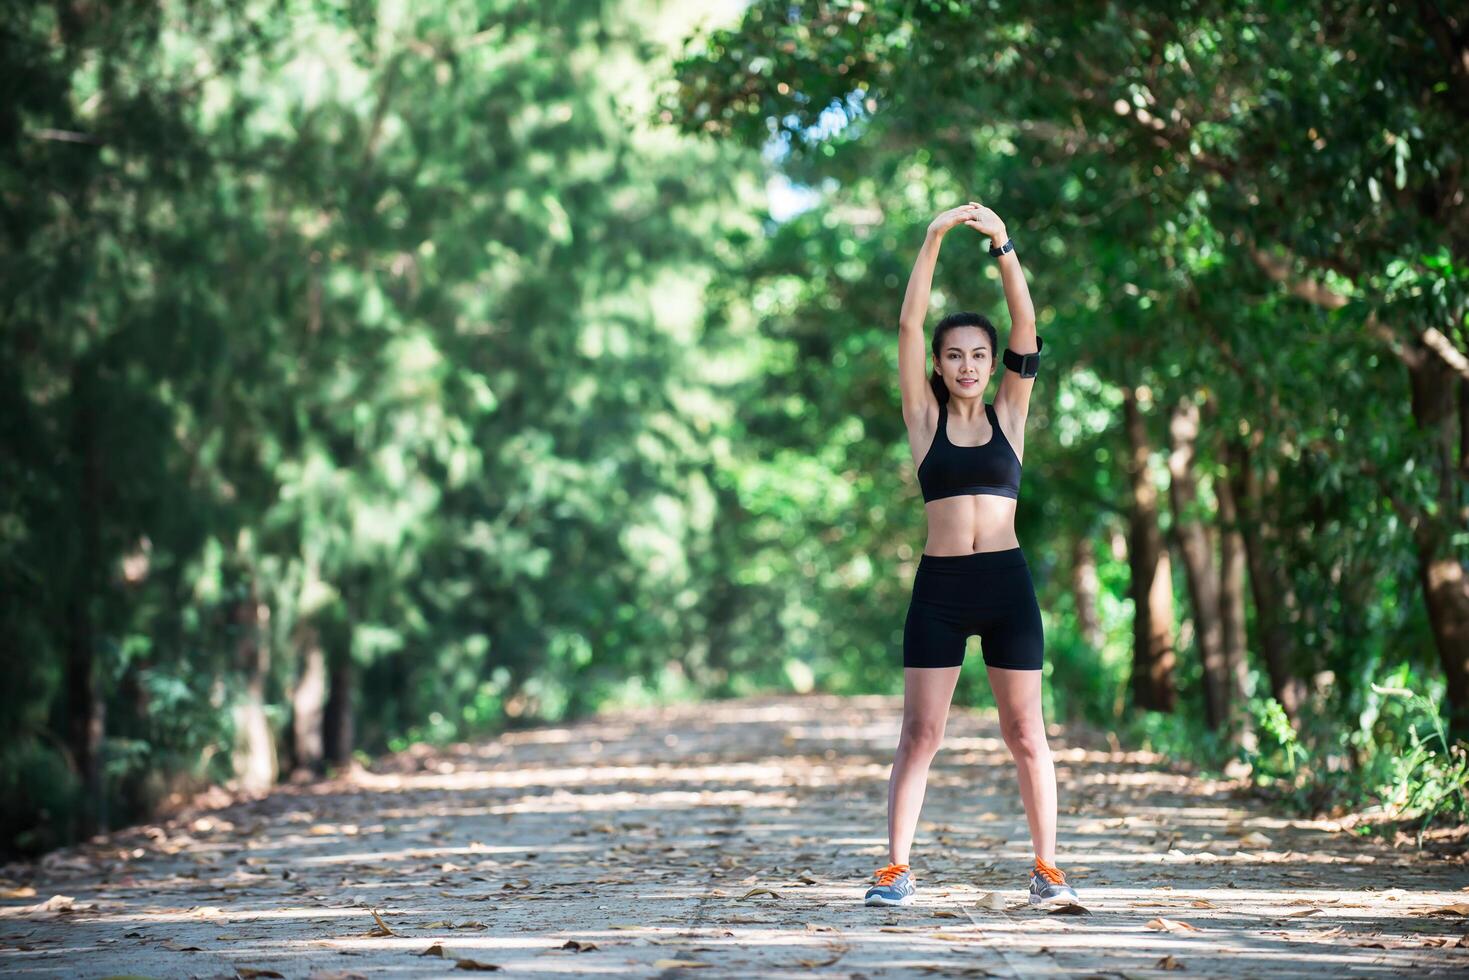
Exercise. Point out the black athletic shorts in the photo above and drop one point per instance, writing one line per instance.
(989, 593)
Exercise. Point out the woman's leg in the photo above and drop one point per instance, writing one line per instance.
(1018, 695)
(927, 693)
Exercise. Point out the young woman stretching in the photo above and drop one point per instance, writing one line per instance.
(972, 576)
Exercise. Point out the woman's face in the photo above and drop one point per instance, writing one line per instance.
(966, 361)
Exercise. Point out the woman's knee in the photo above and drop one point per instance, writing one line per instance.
(921, 735)
(1026, 737)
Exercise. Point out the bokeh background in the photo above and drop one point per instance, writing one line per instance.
(378, 372)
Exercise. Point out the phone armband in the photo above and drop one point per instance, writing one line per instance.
(1025, 365)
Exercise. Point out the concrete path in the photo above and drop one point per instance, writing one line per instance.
(729, 839)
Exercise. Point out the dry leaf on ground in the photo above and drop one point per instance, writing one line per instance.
(381, 929)
(479, 965)
(1171, 925)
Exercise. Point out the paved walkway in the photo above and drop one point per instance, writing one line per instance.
(728, 839)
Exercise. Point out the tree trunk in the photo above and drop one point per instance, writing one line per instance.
(1269, 586)
(1085, 588)
(308, 705)
(1437, 411)
(1232, 606)
(1151, 586)
(85, 707)
(1198, 560)
(339, 733)
(255, 762)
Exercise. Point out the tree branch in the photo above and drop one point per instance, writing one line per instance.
(1281, 270)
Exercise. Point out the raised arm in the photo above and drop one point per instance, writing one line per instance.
(1012, 398)
(918, 398)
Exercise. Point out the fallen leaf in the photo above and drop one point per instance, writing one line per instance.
(758, 891)
(437, 949)
(838, 953)
(579, 946)
(946, 914)
(1171, 925)
(1254, 839)
(1301, 914)
(335, 975)
(992, 901)
(1458, 908)
(250, 973)
(26, 892)
(180, 947)
(467, 964)
(1202, 903)
(1168, 963)
(1441, 942)
(1071, 908)
(675, 964)
(382, 927)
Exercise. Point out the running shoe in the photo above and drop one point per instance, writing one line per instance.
(1048, 886)
(894, 886)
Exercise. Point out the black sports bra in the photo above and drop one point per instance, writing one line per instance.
(953, 471)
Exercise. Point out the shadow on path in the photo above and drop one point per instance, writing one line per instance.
(640, 836)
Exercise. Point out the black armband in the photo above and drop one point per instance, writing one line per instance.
(1025, 365)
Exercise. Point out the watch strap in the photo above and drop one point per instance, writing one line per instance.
(1009, 246)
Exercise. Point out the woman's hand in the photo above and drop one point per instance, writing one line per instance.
(964, 214)
(986, 222)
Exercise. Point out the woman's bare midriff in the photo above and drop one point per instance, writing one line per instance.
(975, 522)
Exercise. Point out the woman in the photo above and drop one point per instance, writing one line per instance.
(972, 576)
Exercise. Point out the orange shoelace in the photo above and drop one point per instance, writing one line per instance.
(1050, 872)
(889, 874)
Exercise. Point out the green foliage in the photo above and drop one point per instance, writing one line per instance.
(40, 793)
(1280, 753)
(412, 372)
(1421, 773)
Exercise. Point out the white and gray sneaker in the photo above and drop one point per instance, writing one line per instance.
(1048, 886)
(894, 886)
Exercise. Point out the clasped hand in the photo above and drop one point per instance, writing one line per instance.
(973, 214)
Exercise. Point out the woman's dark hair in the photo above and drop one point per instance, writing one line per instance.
(960, 319)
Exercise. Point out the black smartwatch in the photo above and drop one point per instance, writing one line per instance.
(1009, 246)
